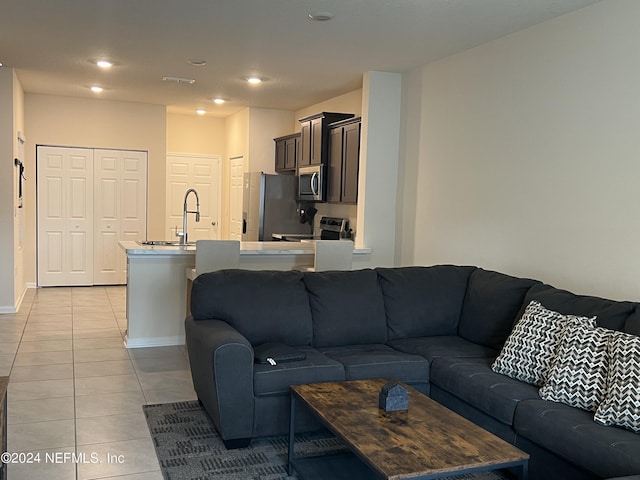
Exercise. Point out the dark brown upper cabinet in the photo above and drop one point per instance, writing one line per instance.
(314, 137)
(344, 161)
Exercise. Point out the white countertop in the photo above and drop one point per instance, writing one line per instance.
(246, 248)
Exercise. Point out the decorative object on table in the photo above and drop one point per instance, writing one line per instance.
(393, 397)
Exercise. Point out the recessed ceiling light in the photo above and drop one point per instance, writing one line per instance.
(96, 89)
(179, 80)
(201, 111)
(104, 64)
(197, 62)
(254, 80)
(321, 16)
(218, 101)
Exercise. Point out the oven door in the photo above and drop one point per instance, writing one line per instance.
(311, 184)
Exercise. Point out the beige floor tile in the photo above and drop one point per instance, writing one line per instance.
(108, 404)
(28, 437)
(159, 381)
(47, 335)
(52, 466)
(100, 355)
(138, 456)
(20, 391)
(41, 410)
(93, 343)
(42, 358)
(101, 369)
(169, 395)
(42, 372)
(111, 384)
(174, 363)
(48, 326)
(140, 476)
(111, 428)
(45, 346)
(97, 333)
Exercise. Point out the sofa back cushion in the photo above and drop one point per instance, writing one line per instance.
(264, 306)
(491, 306)
(423, 301)
(347, 308)
(609, 314)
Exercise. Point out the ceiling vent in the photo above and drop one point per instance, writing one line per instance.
(179, 80)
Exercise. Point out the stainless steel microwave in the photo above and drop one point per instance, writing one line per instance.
(311, 184)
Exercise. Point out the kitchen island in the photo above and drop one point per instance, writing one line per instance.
(157, 283)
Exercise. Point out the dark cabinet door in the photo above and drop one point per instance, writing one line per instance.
(305, 144)
(316, 141)
(350, 163)
(334, 173)
(280, 155)
(290, 153)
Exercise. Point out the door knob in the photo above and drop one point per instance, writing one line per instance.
(214, 223)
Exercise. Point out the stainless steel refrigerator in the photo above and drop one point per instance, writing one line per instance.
(269, 206)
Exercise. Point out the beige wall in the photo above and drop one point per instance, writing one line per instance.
(265, 125)
(195, 134)
(527, 154)
(348, 103)
(66, 121)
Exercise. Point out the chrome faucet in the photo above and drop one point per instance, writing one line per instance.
(185, 211)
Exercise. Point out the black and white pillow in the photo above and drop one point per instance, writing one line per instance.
(529, 351)
(621, 404)
(578, 376)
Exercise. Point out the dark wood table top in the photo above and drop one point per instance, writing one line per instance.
(428, 439)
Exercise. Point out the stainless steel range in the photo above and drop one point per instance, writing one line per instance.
(331, 228)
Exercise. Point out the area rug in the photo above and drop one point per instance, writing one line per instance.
(189, 448)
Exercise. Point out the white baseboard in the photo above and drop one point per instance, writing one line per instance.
(154, 342)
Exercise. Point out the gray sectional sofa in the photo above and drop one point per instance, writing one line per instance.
(436, 328)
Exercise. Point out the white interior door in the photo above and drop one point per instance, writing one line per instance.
(202, 173)
(65, 216)
(120, 204)
(236, 166)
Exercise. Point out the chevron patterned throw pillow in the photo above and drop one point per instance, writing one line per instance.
(532, 346)
(621, 405)
(578, 375)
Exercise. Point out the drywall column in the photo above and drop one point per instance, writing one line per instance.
(379, 156)
(11, 277)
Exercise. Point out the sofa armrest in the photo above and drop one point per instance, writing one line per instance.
(221, 361)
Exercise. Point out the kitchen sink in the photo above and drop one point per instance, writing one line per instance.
(164, 243)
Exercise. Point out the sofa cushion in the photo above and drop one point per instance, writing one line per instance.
(621, 404)
(379, 361)
(442, 346)
(315, 368)
(572, 434)
(578, 376)
(609, 313)
(239, 297)
(472, 380)
(347, 308)
(491, 306)
(532, 346)
(423, 301)
(632, 325)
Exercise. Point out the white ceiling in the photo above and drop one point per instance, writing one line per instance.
(50, 44)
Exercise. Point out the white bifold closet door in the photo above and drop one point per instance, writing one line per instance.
(88, 200)
(120, 210)
(65, 216)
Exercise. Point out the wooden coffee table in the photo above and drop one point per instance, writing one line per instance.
(427, 441)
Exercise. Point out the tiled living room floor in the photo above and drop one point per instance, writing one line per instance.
(75, 388)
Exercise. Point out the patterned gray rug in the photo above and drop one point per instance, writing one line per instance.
(189, 448)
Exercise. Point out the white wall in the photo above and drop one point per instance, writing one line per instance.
(528, 154)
